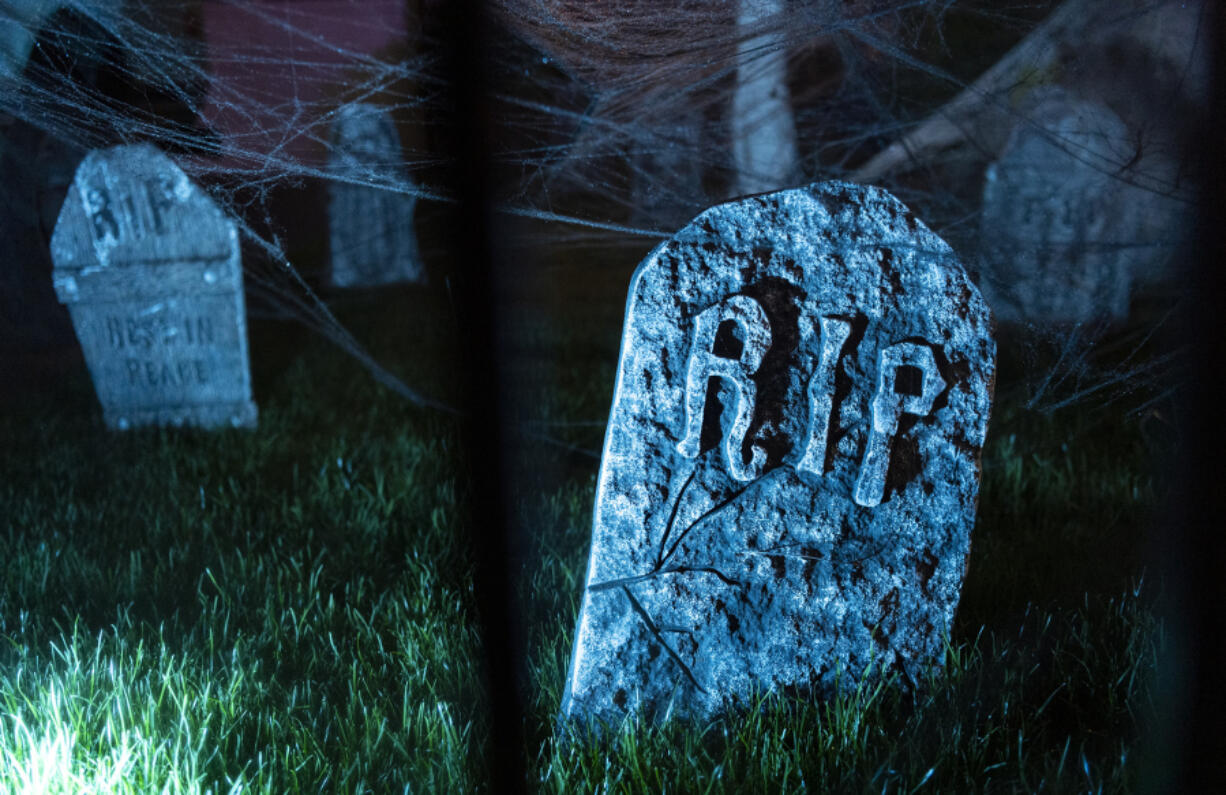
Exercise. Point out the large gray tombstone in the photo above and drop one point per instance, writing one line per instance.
(1066, 226)
(371, 228)
(791, 467)
(149, 268)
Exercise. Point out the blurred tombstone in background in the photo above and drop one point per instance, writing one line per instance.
(1075, 145)
(791, 467)
(372, 238)
(149, 268)
(74, 76)
(1063, 230)
(41, 55)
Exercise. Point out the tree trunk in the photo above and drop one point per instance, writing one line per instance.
(764, 145)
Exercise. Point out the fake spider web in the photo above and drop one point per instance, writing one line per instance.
(610, 122)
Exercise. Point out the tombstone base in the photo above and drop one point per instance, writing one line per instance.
(242, 414)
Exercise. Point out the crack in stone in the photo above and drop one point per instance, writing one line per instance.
(642, 613)
(672, 517)
(716, 509)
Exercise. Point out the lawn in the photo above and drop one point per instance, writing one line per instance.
(291, 609)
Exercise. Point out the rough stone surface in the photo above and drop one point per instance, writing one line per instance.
(1066, 226)
(149, 268)
(371, 228)
(791, 467)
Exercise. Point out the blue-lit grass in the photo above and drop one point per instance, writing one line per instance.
(286, 610)
(1054, 698)
(290, 610)
(1048, 682)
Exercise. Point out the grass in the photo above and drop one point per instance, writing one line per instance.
(291, 610)
(1048, 682)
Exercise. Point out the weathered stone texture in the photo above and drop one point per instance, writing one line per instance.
(817, 516)
(149, 268)
(371, 226)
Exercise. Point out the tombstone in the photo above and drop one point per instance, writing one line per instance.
(149, 269)
(1067, 224)
(791, 466)
(371, 228)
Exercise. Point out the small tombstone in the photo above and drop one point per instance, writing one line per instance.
(1064, 231)
(149, 268)
(371, 228)
(791, 467)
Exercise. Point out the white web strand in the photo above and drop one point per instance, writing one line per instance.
(611, 123)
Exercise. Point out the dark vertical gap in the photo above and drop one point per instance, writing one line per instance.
(466, 38)
(1194, 535)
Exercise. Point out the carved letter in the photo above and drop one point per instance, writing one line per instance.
(834, 334)
(98, 207)
(888, 406)
(161, 196)
(703, 364)
(114, 332)
(204, 330)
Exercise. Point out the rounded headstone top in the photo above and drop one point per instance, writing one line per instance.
(132, 204)
(364, 136)
(791, 465)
